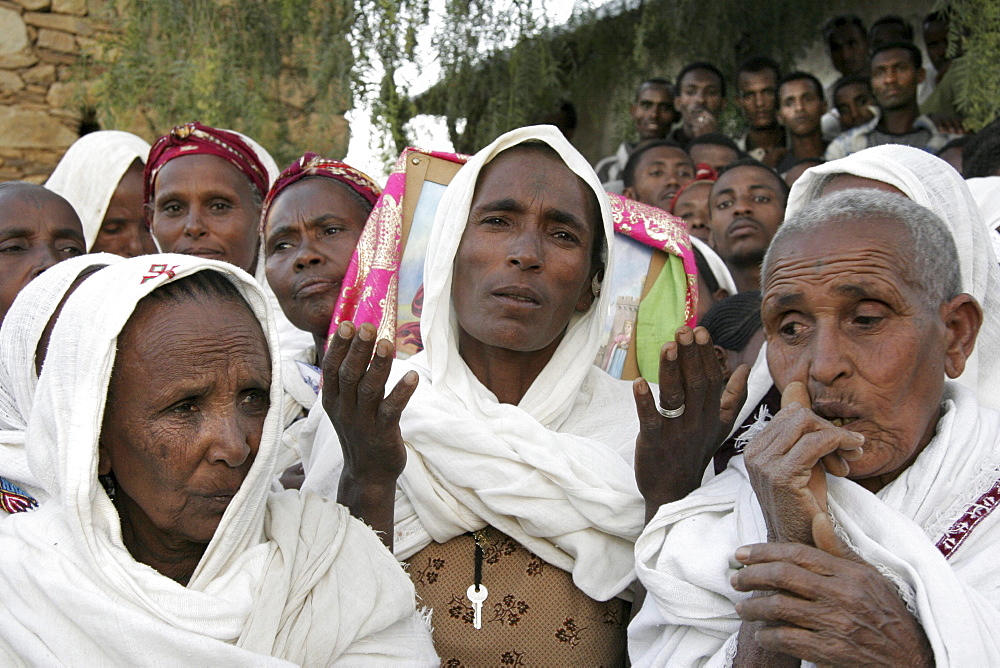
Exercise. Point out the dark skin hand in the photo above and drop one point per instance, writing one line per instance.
(367, 422)
(788, 462)
(671, 454)
(822, 604)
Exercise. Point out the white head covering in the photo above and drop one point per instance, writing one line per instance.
(439, 326)
(19, 335)
(717, 265)
(259, 590)
(89, 173)
(934, 184)
(554, 472)
(986, 191)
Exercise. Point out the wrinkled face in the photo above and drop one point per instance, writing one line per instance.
(747, 205)
(692, 208)
(842, 317)
(181, 434)
(659, 175)
(936, 41)
(124, 231)
(523, 265)
(653, 112)
(758, 97)
(310, 234)
(895, 79)
(848, 49)
(853, 103)
(713, 155)
(204, 206)
(699, 90)
(802, 108)
(37, 230)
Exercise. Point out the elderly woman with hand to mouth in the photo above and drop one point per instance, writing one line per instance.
(168, 393)
(858, 527)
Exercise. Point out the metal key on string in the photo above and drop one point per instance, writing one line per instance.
(477, 592)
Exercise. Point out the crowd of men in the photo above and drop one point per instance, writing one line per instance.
(790, 123)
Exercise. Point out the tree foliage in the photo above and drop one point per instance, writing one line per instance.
(261, 66)
(975, 26)
(271, 67)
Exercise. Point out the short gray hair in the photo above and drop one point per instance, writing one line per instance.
(934, 265)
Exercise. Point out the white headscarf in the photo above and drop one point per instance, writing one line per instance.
(986, 191)
(934, 184)
(89, 173)
(554, 472)
(284, 576)
(19, 335)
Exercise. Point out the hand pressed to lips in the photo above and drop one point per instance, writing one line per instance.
(788, 462)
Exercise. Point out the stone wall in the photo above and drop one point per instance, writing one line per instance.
(44, 107)
(41, 111)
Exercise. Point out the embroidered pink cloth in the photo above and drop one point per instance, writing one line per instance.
(370, 288)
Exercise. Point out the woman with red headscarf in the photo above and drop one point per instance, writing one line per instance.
(203, 191)
(310, 224)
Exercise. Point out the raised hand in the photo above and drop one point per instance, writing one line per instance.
(826, 604)
(367, 422)
(788, 463)
(672, 453)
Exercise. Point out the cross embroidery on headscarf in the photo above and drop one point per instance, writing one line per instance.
(158, 270)
(13, 499)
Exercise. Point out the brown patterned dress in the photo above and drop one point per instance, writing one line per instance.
(533, 616)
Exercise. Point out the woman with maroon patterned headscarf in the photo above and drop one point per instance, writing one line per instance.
(203, 188)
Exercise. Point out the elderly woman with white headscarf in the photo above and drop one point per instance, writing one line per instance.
(170, 393)
(23, 342)
(877, 478)
(507, 481)
(101, 176)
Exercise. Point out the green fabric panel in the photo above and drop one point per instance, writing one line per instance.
(660, 314)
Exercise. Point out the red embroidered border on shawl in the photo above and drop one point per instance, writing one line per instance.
(976, 513)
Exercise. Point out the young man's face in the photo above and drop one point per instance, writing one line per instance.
(848, 49)
(853, 103)
(895, 79)
(758, 96)
(802, 107)
(653, 112)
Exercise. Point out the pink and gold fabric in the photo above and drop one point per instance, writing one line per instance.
(371, 284)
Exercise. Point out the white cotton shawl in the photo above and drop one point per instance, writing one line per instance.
(717, 265)
(685, 556)
(286, 578)
(22, 328)
(986, 191)
(934, 184)
(89, 173)
(554, 472)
